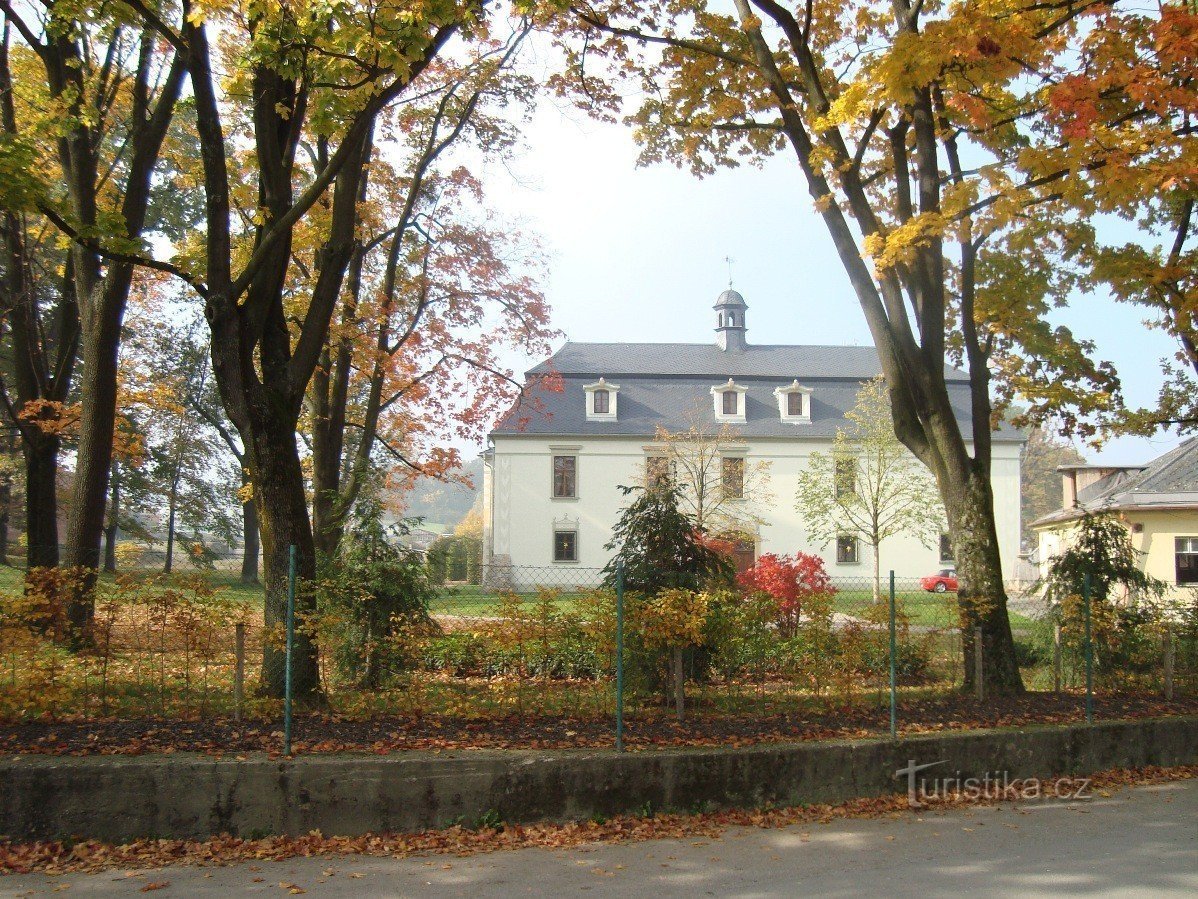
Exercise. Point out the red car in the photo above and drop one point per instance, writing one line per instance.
(943, 581)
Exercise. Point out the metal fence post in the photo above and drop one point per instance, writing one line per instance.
(239, 670)
(979, 666)
(619, 656)
(287, 661)
(893, 666)
(1089, 650)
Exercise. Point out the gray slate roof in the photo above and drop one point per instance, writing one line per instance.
(807, 363)
(1168, 481)
(660, 384)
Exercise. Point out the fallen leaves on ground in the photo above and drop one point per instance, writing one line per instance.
(383, 734)
(58, 857)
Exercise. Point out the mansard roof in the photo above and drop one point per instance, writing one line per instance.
(667, 384)
(613, 360)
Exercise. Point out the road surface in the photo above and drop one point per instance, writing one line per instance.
(1141, 841)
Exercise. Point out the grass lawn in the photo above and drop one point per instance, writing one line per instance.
(12, 578)
(468, 600)
(938, 610)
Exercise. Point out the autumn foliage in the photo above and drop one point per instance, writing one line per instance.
(791, 581)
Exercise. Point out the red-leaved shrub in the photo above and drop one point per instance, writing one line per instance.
(791, 581)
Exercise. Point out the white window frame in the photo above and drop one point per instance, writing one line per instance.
(856, 560)
(717, 395)
(1183, 546)
(613, 399)
(564, 526)
(554, 452)
(783, 394)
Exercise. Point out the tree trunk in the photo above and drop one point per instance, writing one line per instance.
(41, 501)
(876, 545)
(982, 598)
(679, 685)
(283, 518)
(172, 502)
(93, 461)
(249, 540)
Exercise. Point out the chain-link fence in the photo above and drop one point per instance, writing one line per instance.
(555, 656)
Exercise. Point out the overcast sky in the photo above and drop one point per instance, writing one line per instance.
(637, 254)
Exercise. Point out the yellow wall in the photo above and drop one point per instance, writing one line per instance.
(1155, 542)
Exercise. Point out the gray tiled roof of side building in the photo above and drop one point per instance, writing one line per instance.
(1173, 472)
(612, 360)
(645, 402)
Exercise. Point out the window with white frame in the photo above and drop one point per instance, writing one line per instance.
(602, 400)
(732, 477)
(1186, 559)
(729, 401)
(794, 402)
(565, 543)
(846, 549)
(565, 477)
(844, 477)
(657, 471)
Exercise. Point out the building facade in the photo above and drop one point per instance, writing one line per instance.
(1157, 502)
(588, 421)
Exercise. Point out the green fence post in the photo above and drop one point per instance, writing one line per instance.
(287, 657)
(893, 666)
(1089, 651)
(619, 656)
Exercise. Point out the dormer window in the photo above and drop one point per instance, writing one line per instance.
(729, 401)
(602, 399)
(794, 402)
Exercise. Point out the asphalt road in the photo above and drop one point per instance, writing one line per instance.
(1140, 842)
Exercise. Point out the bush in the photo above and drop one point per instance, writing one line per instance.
(792, 582)
(373, 601)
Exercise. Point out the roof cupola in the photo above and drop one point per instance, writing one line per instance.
(730, 321)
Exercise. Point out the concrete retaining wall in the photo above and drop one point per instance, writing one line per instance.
(120, 797)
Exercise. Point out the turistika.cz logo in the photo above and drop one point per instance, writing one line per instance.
(990, 786)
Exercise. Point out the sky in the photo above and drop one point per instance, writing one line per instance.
(638, 254)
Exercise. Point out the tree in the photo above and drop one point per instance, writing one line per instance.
(911, 125)
(1100, 549)
(437, 290)
(660, 546)
(113, 85)
(40, 325)
(869, 485)
(1041, 490)
(184, 476)
(719, 486)
(312, 81)
(1120, 118)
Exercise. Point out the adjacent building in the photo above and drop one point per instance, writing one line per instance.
(587, 425)
(1158, 502)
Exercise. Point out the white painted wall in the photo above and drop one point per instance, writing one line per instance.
(521, 509)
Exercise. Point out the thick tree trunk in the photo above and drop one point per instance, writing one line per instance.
(41, 502)
(249, 540)
(93, 461)
(283, 523)
(982, 599)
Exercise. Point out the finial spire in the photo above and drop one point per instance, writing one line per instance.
(729, 260)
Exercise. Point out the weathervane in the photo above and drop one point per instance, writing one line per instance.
(729, 260)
